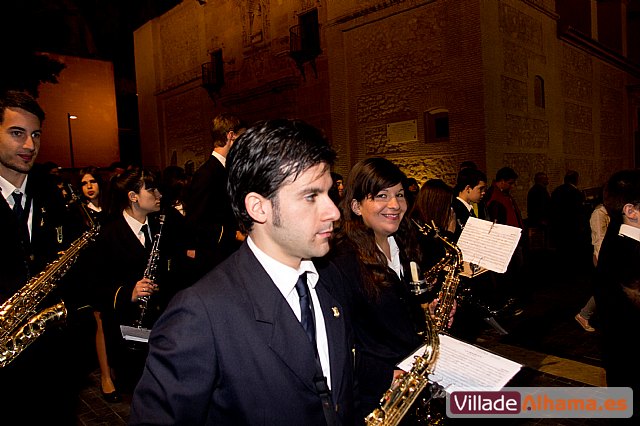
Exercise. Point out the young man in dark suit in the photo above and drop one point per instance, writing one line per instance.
(212, 231)
(261, 339)
(33, 228)
(471, 186)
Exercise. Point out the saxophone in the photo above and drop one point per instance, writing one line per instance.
(14, 336)
(150, 271)
(407, 388)
(451, 265)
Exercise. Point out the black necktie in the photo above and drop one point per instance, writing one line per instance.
(18, 210)
(472, 212)
(17, 206)
(306, 315)
(147, 237)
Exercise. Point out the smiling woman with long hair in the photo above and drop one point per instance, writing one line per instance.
(373, 249)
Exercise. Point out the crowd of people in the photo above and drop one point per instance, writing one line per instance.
(264, 275)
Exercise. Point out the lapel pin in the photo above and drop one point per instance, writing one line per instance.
(336, 312)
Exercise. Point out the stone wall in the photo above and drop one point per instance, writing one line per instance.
(385, 63)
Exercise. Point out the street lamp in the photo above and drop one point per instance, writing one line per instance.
(69, 118)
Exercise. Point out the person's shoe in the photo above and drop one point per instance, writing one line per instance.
(584, 323)
(112, 397)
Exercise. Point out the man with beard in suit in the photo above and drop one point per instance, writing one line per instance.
(212, 231)
(261, 339)
(32, 218)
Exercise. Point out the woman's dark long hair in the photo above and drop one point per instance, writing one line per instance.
(433, 204)
(366, 179)
(102, 190)
(130, 180)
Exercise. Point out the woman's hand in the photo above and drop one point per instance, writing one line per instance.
(432, 310)
(144, 288)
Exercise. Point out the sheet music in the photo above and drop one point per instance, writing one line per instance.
(487, 244)
(462, 366)
(134, 333)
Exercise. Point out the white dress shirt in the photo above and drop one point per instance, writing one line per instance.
(285, 278)
(7, 189)
(136, 226)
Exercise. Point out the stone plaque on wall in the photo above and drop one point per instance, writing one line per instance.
(402, 131)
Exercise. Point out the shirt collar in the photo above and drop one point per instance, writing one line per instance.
(8, 188)
(94, 208)
(394, 263)
(220, 158)
(467, 205)
(283, 276)
(630, 231)
(135, 226)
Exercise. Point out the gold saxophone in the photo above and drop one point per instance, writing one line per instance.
(406, 389)
(451, 265)
(23, 305)
(14, 336)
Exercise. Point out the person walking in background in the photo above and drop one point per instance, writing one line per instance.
(539, 202)
(569, 222)
(212, 231)
(599, 222)
(262, 338)
(617, 282)
(502, 208)
(95, 198)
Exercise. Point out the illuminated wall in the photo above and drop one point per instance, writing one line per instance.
(521, 88)
(85, 89)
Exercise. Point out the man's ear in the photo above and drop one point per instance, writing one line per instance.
(631, 212)
(258, 207)
(355, 207)
(231, 136)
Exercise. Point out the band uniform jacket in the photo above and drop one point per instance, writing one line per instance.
(229, 350)
(119, 260)
(210, 222)
(47, 360)
(462, 215)
(385, 329)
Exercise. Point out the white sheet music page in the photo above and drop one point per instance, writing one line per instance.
(135, 334)
(487, 244)
(461, 366)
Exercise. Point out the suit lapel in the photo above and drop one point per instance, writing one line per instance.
(281, 329)
(336, 338)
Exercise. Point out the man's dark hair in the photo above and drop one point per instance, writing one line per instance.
(223, 124)
(506, 173)
(539, 177)
(571, 177)
(13, 99)
(468, 176)
(622, 188)
(468, 165)
(267, 156)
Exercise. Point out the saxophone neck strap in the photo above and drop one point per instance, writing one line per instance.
(320, 383)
